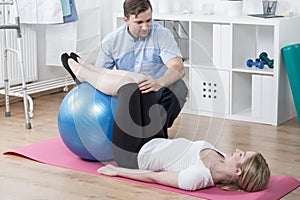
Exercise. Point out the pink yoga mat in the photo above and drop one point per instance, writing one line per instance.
(54, 152)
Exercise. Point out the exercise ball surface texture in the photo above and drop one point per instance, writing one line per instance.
(85, 122)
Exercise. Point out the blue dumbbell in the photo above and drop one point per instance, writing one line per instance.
(258, 64)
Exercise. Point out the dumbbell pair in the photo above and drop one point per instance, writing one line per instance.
(261, 61)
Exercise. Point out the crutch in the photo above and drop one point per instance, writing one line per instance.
(18, 52)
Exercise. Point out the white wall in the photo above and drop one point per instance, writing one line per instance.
(45, 72)
(106, 16)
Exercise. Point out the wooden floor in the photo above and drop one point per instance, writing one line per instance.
(25, 179)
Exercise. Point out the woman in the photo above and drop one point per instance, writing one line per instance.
(142, 150)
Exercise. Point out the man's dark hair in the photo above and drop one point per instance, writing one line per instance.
(135, 7)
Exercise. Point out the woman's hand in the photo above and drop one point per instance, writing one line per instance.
(163, 178)
(108, 170)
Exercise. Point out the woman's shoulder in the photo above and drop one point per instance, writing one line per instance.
(206, 145)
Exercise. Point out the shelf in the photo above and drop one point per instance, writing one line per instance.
(254, 70)
(204, 65)
(216, 51)
(245, 114)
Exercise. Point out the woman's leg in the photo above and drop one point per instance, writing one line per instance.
(107, 81)
(101, 80)
(127, 130)
(135, 76)
(137, 121)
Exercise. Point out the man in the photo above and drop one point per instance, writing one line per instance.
(143, 46)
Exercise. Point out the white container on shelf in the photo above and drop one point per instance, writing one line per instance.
(234, 8)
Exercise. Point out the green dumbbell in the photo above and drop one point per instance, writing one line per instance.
(264, 57)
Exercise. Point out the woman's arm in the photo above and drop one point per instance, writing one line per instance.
(163, 178)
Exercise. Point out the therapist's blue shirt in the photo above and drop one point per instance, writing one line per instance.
(148, 55)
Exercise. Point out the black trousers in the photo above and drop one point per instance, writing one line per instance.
(172, 99)
(140, 118)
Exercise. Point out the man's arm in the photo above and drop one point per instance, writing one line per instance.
(163, 178)
(174, 72)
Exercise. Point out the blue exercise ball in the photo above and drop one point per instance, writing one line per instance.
(85, 122)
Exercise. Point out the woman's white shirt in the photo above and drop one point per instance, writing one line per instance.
(178, 155)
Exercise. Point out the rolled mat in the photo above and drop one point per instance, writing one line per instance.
(291, 55)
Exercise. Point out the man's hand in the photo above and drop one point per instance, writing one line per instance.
(149, 84)
(175, 71)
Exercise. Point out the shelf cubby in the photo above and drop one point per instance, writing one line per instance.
(249, 41)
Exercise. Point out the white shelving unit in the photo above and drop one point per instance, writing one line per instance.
(220, 82)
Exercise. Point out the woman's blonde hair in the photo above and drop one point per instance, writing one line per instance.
(255, 175)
